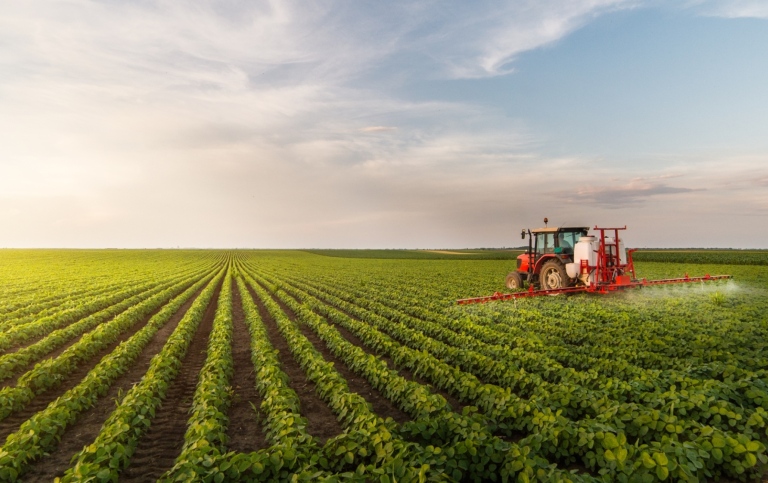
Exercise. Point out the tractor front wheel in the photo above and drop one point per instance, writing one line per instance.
(553, 275)
(514, 281)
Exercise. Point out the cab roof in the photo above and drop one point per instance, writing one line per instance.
(560, 229)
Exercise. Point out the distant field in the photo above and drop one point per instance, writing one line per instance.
(718, 257)
(721, 257)
(422, 254)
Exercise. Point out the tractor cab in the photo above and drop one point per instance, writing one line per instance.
(543, 264)
(558, 241)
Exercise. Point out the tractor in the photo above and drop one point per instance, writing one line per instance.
(567, 260)
(549, 251)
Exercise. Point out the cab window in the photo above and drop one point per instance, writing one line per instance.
(545, 242)
(568, 239)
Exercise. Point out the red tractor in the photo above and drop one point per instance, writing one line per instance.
(544, 264)
(569, 260)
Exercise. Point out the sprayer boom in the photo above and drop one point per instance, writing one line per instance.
(601, 288)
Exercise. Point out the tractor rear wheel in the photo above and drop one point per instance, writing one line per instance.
(553, 275)
(514, 281)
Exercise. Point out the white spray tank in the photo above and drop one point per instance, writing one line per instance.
(585, 249)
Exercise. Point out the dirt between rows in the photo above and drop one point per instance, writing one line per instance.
(158, 448)
(57, 352)
(21, 345)
(85, 430)
(321, 422)
(406, 373)
(12, 423)
(403, 371)
(244, 432)
(358, 384)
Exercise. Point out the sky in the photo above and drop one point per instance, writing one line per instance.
(367, 124)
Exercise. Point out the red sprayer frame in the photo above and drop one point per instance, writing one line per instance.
(610, 274)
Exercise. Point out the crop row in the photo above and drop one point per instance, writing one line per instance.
(31, 277)
(573, 343)
(205, 438)
(41, 432)
(459, 445)
(14, 361)
(744, 387)
(496, 364)
(23, 333)
(60, 302)
(367, 439)
(50, 373)
(576, 438)
(112, 449)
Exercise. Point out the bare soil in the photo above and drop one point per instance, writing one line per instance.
(161, 444)
(85, 430)
(244, 432)
(321, 422)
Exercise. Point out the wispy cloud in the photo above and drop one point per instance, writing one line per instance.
(482, 39)
(378, 128)
(619, 196)
(732, 8)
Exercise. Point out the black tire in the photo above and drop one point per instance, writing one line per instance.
(514, 281)
(553, 275)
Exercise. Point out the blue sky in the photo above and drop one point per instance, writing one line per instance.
(634, 79)
(381, 124)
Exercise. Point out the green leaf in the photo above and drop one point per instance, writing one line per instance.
(621, 454)
(610, 441)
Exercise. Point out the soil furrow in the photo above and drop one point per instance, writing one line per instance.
(403, 371)
(56, 352)
(37, 338)
(41, 401)
(321, 422)
(244, 432)
(89, 424)
(158, 448)
(381, 405)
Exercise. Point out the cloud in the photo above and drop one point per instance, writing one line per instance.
(481, 39)
(635, 192)
(378, 128)
(733, 8)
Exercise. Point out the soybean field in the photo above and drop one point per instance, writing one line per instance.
(266, 365)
